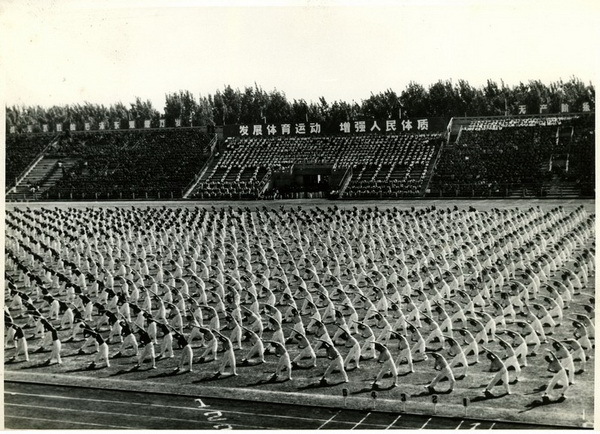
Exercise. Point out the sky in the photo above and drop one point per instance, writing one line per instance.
(106, 51)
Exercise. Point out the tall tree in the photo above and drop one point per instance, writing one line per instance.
(254, 105)
(414, 100)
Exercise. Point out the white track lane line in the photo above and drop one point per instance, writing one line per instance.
(99, 400)
(111, 413)
(329, 420)
(425, 424)
(459, 425)
(492, 425)
(8, 416)
(243, 413)
(361, 421)
(395, 420)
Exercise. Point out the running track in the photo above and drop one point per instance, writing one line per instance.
(37, 406)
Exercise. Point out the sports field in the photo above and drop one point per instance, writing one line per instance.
(382, 406)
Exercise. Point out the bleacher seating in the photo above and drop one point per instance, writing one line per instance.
(582, 162)
(498, 156)
(485, 162)
(391, 166)
(518, 157)
(21, 149)
(401, 172)
(499, 123)
(131, 164)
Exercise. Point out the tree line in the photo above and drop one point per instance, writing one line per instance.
(255, 105)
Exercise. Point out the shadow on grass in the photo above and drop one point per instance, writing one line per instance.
(249, 364)
(487, 398)
(540, 403)
(363, 390)
(536, 390)
(201, 361)
(213, 377)
(72, 341)
(87, 368)
(75, 355)
(302, 367)
(372, 388)
(171, 373)
(12, 361)
(318, 385)
(38, 365)
(482, 386)
(123, 356)
(129, 371)
(271, 380)
(432, 392)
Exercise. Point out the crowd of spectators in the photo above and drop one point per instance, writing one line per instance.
(391, 165)
(404, 178)
(137, 163)
(486, 162)
(491, 157)
(488, 124)
(410, 187)
(336, 150)
(227, 190)
(21, 150)
(582, 159)
(230, 183)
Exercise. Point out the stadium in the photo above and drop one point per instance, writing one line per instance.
(239, 261)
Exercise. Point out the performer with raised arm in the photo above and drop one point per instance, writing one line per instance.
(560, 378)
(257, 349)
(337, 363)
(388, 365)
(228, 357)
(498, 366)
(445, 373)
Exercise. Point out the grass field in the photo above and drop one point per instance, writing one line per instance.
(252, 383)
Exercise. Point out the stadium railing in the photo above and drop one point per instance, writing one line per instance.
(194, 182)
(511, 190)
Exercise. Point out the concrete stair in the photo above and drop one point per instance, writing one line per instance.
(44, 174)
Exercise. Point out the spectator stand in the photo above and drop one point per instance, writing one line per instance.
(355, 166)
(135, 164)
(515, 156)
(511, 157)
(23, 153)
